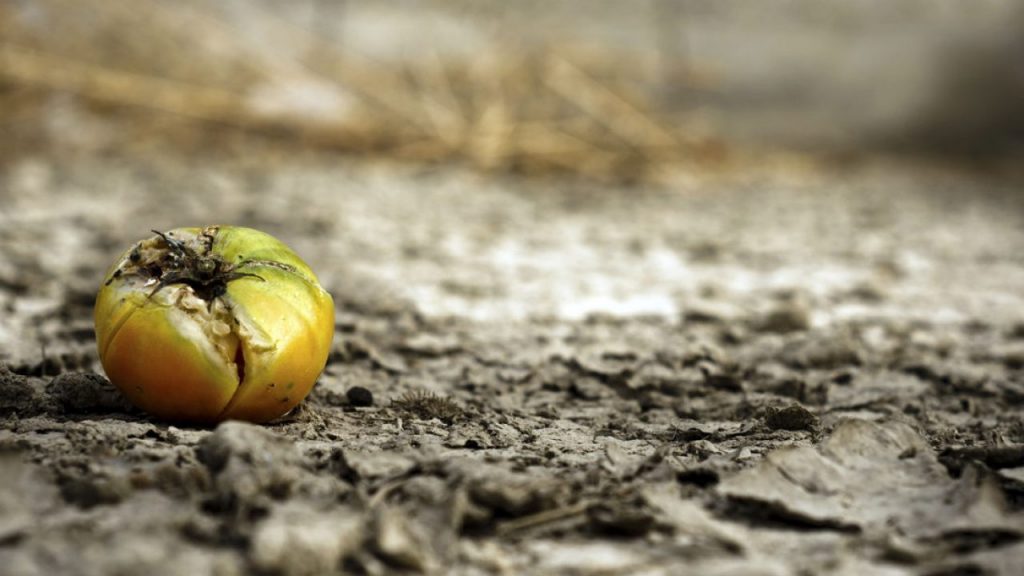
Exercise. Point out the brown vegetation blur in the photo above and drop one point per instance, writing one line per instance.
(594, 89)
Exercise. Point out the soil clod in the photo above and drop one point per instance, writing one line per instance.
(359, 396)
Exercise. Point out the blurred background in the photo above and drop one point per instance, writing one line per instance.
(521, 160)
(618, 91)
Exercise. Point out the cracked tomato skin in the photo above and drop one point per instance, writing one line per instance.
(272, 340)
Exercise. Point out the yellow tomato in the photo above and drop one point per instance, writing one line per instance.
(215, 323)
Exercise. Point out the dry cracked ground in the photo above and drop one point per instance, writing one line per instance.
(796, 369)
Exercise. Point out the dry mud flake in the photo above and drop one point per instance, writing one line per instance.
(26, 495)
(142, 535)
(883, 482)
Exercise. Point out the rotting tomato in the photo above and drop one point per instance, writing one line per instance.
(210, 324)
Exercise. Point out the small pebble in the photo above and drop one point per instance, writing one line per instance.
(786, 318)
(359, 396)
(794, 417)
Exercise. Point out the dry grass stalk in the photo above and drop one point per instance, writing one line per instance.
(606, 107)
(533, 113)
(30, 68)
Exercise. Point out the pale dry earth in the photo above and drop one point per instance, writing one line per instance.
(799, 368)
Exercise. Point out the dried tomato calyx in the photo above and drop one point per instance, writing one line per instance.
(165, 260)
